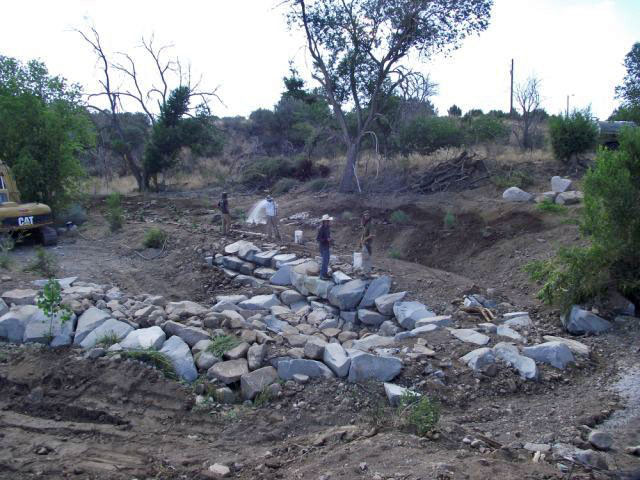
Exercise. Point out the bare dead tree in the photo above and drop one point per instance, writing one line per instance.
(528, 100)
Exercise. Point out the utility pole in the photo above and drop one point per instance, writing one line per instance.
(511, 103)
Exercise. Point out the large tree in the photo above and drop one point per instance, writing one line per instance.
(629, 90)
(360, 49)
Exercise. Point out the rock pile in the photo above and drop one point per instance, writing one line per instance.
(559, 193)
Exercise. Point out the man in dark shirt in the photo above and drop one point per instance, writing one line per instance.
(324, 244)
(223, 205)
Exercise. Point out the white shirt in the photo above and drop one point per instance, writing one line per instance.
(271, 208)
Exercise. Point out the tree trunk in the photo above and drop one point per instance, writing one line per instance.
(349, 183)
(135, 170)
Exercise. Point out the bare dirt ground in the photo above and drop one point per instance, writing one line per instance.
(63, 416)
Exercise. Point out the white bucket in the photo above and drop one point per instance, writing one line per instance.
(357, 260)
(297, 237)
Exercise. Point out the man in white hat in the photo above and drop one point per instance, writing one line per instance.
(271, 210)
(324, 244)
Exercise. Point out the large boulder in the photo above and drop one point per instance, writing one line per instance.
(440, 321)
(479, 359)
(556, 354)
(569, 198)
(235, 299)
(576, 347)
(580, 321)
(180, 356)
(252, 383)
(282, 259)
(559, 184)
(506, 331)
(318, 287)
(377, 288)
(264, 258)
(340, 277)
(255, 356)
(372, 367)
(348, 295)
(88, 321)
(58, 330)
(229, 371)
(260, 302)
(369, 317)
(307, 267)
(385, 303)
(111, 328)
(470, 336)
(234, 248)
(144, 338)
(373, 341)
(282, 277)
(19, 296)
(185, 309)
(311, 368)
(407, 313)
(4, 308)
(290, 297)
(191, 335)
(336, 358)
(517, 320)
(510, 354)
(232, 263)
(15, 321)
(314, 348)
(264, 273)
(248, 251)
(297, 280)
(515, 194)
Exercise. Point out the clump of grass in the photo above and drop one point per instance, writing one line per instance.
(222, 344)
(6, 245)
(548, 206)
(400, 217)
(395, 253)
(418, 413)
(263, 398)
(152, 357)
(154, 238)
(44, 263)
(108, 339)
(515, 178)
(115, 215)
(284, 185)
(318, 184)
(449, 220)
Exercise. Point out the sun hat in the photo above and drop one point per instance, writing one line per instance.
(326, 218)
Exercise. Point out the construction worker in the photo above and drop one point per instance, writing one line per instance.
(366, 243)
(324, 245)
(223, 205)
(271, 211)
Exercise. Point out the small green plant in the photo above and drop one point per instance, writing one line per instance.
(395, 253)
(548, 206)
(400, 217)
(157, 359)
(222, 344)
(418, 413)
(44, 263)
(115, 215)
(318, 185)
(154, 238)
(263, 398)
(50, 302)
(108, 339)
(239, 214)
(449, 220)
(284, 185)
(7, 243)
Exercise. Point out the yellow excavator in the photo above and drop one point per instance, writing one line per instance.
(23, 218)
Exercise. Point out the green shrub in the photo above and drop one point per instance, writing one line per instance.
(395, 253)
(50, 302)
(573, 135)
(611, 220)
(318, 185)
(449, 220)
(514, 178)
(284, 185)
(418, 413)
(428, 134)
(487, 128)
(115, 215)
(222, 344)
(549, 206)
(399, 217)
(154, 238)
(44, 263)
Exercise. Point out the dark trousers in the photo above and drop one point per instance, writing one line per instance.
(325, 253)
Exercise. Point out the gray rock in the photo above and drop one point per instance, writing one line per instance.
(180, 356)
(298, 282)
(283, 276)
(580, 321)
(385, 303)
(265, 258)
(377, 288)
(235, 299)
(479, 359)
(569, 198)
(510, 354)
(260, 302)
(88, 321)
(186, 309)
(282, 259)
(537, 447)
(348, 295)
(264, 273)
(229, 371)
(3, 307)
(559, 184)
(576, 347)
(144, 338)
(247, 251)
(471, 301)
(336, 358)
(64, 282)
(366, 367)
(515, 194)
(247, 281)
(252, 383)
(407, 313)
(329, 323)
(291, 297)
(205, 360)
(247, 268)
(388, 329)
(373, 341)
(505, 331)
(339, 277)
(314, 348)
(470, 336)
(601, 440)
(312, 368)
(191, 335)
(307, 267)
(370, 317)
(318, 287)
(255, 356)
(95, 353)
(232, 263)
(488, 327)
(317, 316)
(517, 321)
(110, 327)
(239, 351)
(416, 332)
(40, 329)
(20, 296)
(440, 321)
(396, 392)
(278, 326)
(556, 354)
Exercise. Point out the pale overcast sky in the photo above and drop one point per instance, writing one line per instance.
(575, 47)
